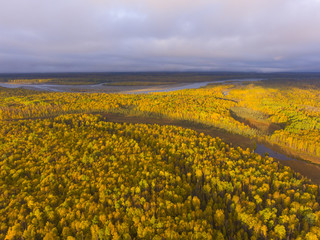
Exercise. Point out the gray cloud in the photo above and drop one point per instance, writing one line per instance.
(105, 35)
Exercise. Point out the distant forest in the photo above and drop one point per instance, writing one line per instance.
(174, 77)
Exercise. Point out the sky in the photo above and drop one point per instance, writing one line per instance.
(159, 35)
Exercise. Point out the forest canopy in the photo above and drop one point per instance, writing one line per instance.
(79, 176)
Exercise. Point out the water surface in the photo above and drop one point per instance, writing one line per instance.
(309, 170)
(176, 87)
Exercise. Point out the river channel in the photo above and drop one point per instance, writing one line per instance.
(309, 170)
(103, 87)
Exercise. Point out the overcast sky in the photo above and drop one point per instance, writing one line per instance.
(157, 35)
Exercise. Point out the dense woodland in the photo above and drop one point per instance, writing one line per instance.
(81, 177)
(68, 173)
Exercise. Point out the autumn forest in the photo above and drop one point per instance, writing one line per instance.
(70, 170)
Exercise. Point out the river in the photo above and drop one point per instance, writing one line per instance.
(176, 87)
(102, 87)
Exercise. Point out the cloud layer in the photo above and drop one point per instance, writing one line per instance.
(150, 35)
